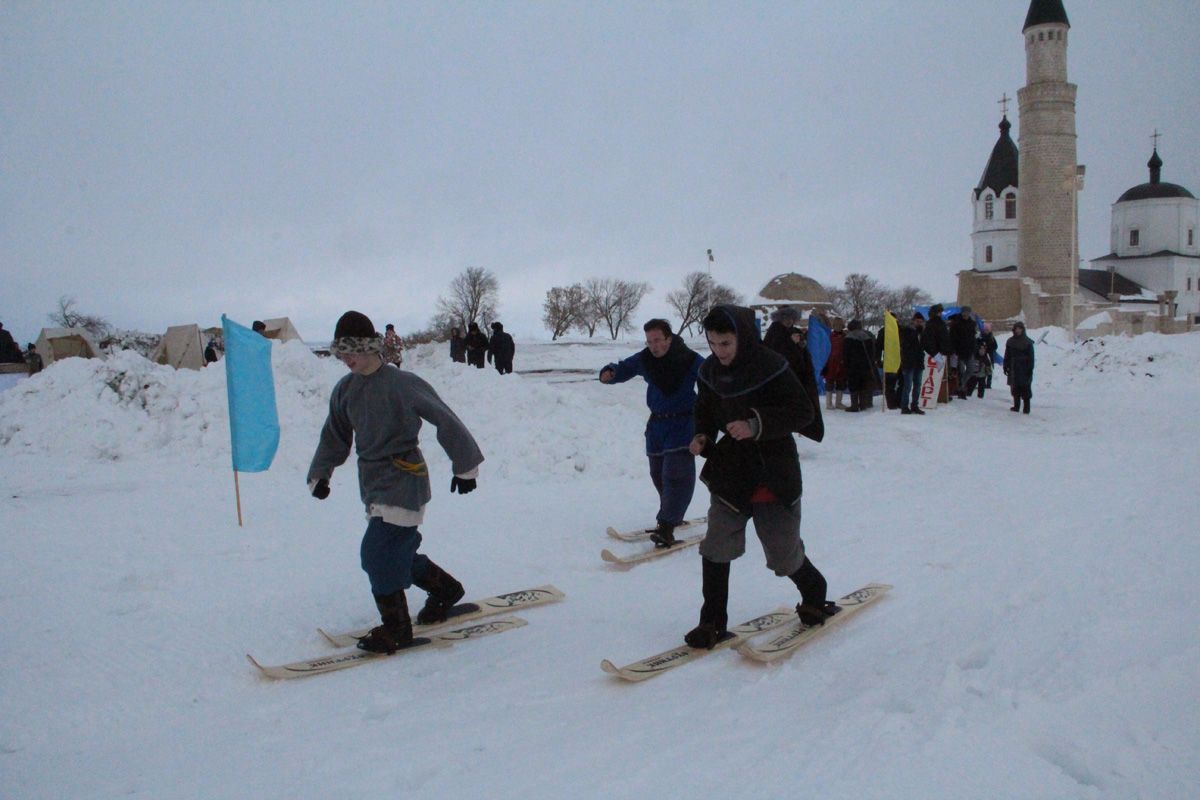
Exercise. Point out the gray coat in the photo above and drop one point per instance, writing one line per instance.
(381, 414)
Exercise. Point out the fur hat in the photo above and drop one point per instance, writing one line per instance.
(918, 315)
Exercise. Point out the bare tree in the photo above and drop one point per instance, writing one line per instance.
(864, 298)
(590, 312)
(860, 297)
(614, 301)
(473, 297)
(699, 293)
(902, 301)
(67, 316)
(562, 309)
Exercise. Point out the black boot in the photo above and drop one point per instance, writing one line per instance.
(813, 608)
(664, 535)
(713, 617)
(396, 631)
(443, 591)
(1026, 402)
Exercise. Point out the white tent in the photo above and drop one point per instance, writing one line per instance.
(281, 329)
(180, 347)
(56, 343)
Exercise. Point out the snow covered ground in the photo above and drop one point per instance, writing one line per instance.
(1040, 642)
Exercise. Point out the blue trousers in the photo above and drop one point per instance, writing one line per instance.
(911, 386)
(390, 558)
(674, 477)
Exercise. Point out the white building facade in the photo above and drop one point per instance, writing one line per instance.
(1153, 240)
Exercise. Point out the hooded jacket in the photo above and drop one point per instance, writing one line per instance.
(758, 386)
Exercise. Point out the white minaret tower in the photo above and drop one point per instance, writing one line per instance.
(1047, 229)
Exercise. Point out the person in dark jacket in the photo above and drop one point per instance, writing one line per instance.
(781, 337)
(34, 359)
(834, 371)
(912, 364)
(963, 333)
(10, 351)
(477, 345)
(458, 346)
(501, 349)
(669, 367)
(936, 341)
(1018, 366)
(859, 357)
(749, 405)
(935, 338)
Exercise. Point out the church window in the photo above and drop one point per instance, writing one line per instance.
(1191, 236)
(1134, 237)
(987, 207)
(1041, 36)
(1010, 206)
(987, 254)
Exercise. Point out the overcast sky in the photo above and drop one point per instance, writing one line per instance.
(167, 162)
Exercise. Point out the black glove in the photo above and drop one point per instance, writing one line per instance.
(321, 490)
(462, 485)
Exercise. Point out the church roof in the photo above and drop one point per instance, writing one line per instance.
(1001, 169)
(794, 287)
(1155, 188)
(1101, 281)
(1043, 12)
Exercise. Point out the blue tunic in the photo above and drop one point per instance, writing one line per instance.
(671, 424)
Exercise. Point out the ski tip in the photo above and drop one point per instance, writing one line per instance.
(609, 667)
(329, 637)
(250, 658)
(609, 556)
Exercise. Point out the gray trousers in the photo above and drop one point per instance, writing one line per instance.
(777, 526)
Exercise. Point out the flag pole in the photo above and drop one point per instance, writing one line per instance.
(237, 492)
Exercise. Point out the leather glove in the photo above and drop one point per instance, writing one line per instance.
(462, 485)
(321, 489)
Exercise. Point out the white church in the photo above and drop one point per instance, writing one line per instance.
(1024, 235)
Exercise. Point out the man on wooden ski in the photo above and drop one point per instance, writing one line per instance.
(669, 367)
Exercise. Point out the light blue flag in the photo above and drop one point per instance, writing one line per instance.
(253, 420)
(818, 348)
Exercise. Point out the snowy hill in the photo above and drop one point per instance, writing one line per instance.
(1040, 642)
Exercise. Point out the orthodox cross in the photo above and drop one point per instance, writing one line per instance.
(1156, 137)
(1003, 101)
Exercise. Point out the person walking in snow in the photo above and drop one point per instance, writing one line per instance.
(33, 359)
(912, 364)
(749, 405)
(477, 345)
(458, 346)
(963, 333)
(393, 346)
(669, 368)
(501, 349)
(379, 408)
(1018, 366)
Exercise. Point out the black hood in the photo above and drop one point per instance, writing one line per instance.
(754, 364)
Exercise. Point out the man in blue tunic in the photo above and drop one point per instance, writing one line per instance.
(669, 367)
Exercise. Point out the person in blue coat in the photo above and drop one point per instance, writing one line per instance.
(669, 367)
